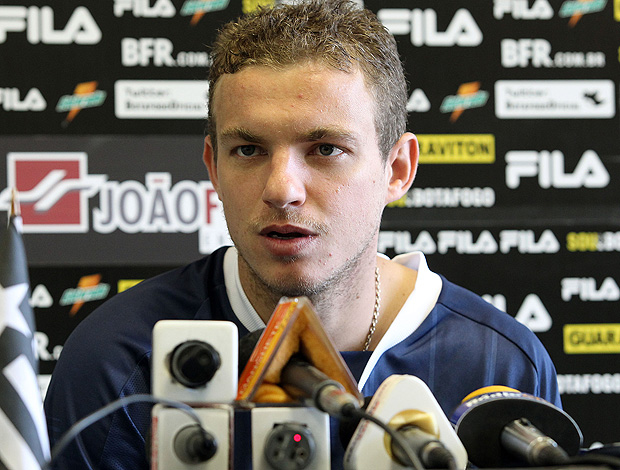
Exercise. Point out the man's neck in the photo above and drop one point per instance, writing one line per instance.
(344, 306)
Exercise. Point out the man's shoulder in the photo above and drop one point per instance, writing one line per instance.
(113, 342)
(194, 278)
(484, 317)
(463, 300)
(187, 284)
(175, 294)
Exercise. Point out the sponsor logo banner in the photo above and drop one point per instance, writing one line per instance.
(418, 102)
(467, 242)
(595, 338)
(159, 52)
(199, 7)
(446, 197)
(457, 148)
(583, 242)
(39, 25)
(249, 6)
(165, 8)
(41, 297)
(468, 96)
(160, 99)
(11, 100)
(54, 188)
(89, 289)
(555, 99)
(84, 96)
(422, 26)
(43, 350)
(575, 9)
(585, 288)
(124, 284)
(143, 8)
(549, 167)
(520, 10)
(581, 384)
(538, 53)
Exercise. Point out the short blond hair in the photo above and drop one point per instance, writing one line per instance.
(336, 33)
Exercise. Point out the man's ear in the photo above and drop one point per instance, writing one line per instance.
(208, 156)
(402, 166)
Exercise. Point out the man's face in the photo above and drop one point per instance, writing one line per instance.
(299, 173)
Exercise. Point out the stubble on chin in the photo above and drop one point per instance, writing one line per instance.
(285, 286)
(288, 285)
(341, 283)
(322, 294)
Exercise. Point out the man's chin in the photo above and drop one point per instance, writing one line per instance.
(286, 279)
(295, 287)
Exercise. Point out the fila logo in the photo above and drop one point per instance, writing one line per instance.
(534, 314)
(143, 8)
(467, 242)
(418, 102)
(550, 169)
(520, 10)
(41, 297)
(585, 288)
(10, 100)
(54, 188)
(38, 23)
(462, 29)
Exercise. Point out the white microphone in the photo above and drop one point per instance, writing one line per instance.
(194, 362)
(408, 406)
(500, 427)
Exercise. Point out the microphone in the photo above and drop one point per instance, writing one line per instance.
(304, 381)
(418, 430)
(409, 408)
(194, 444)
(293, 358)
(502, 427)
(194, 362)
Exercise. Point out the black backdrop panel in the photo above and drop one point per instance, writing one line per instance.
(514, 102)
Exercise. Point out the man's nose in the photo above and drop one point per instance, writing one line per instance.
(285, 185)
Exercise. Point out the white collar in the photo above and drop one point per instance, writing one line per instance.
(416, 308)
(239, 302)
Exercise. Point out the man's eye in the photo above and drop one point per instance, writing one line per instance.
(328, 150)
(246, 150)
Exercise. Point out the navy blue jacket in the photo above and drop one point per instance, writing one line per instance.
(463, 344)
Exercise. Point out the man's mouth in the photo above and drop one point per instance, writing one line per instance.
(285, 236)
(285, 232)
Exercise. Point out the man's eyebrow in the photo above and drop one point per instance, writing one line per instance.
(321, 133)
(240, 133)
(312, 135)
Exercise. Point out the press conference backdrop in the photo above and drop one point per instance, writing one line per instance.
(102, 108)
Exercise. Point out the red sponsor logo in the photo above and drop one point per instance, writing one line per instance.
(53, 188)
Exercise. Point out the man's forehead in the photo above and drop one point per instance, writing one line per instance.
(322, 102)
(278, 72)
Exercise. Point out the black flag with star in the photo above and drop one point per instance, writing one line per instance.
(24, 443)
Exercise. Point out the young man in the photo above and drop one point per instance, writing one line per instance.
(306, 145)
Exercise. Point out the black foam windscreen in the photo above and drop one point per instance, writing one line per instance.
(481, 426)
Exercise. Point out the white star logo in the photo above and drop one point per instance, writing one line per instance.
(10, 314)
